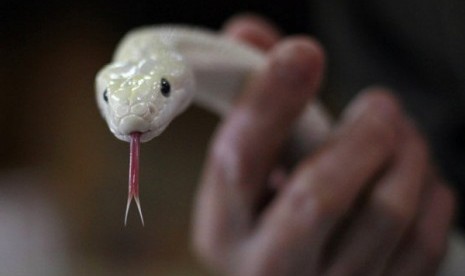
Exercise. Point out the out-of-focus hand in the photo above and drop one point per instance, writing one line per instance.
(367, 203)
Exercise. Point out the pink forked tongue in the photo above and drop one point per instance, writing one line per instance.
(134, 175)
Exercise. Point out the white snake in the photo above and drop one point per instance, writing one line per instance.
(157, 72)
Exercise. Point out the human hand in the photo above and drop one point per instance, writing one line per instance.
(367, 203)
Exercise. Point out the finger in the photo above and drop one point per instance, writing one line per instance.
(388, 211)
(248, 142)
(426, 242)
(325, 186)
(253, 30)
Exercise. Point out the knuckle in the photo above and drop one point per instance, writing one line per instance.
(324, 207)
(229, 155)
(226, 142)
(431, 248)
(394, 213)
(258, 259)
(211, 251)
(206, 249)
(312, 202)
(264, 266)
(220, 148)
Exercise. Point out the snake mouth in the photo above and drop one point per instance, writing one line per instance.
(128, 125)
(144, 136)
(133, 123)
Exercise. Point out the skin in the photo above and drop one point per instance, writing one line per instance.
(369, 202)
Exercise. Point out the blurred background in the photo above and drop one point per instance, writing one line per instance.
(63, 176)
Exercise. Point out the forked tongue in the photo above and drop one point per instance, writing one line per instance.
(134, 175)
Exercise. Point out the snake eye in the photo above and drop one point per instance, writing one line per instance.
(165, 87)
(105, 95)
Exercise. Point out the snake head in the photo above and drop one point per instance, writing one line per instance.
(143, 96)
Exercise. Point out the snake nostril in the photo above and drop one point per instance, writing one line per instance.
(151, 109)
